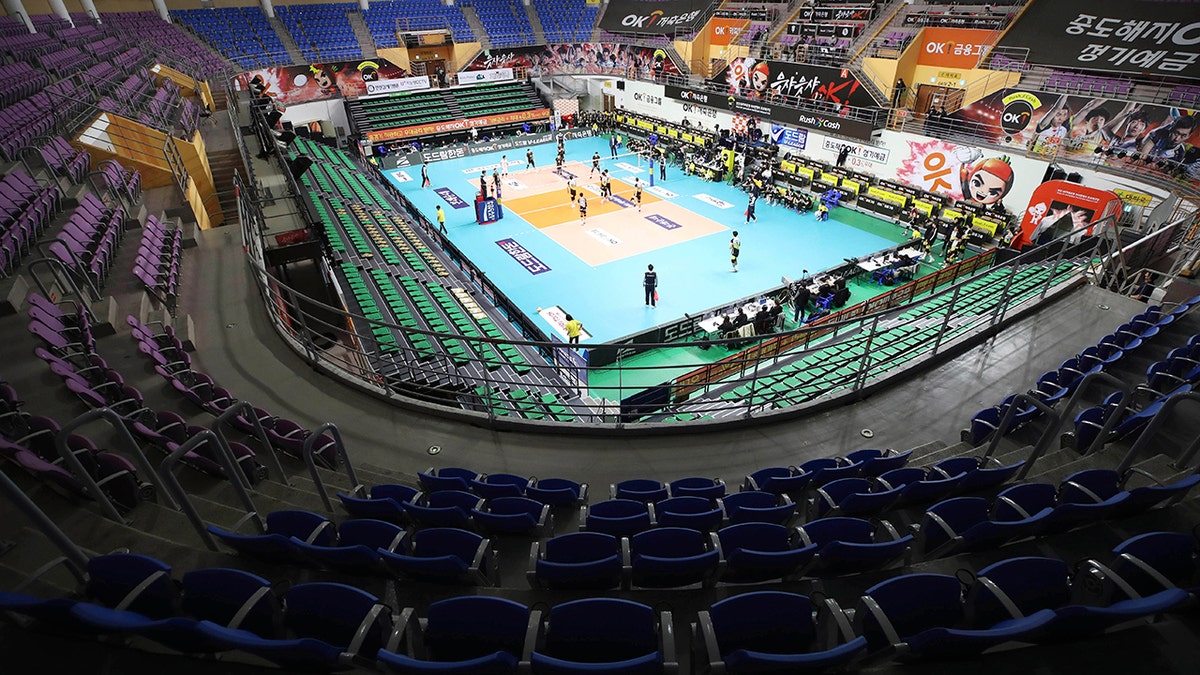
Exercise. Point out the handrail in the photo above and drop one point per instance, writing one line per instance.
(342, 454)
(1043, 441)
(1086, 384)
(57, 266)
(114, 420)
(1151, 431)
(76, 559)
(247, 410)
(232, 473)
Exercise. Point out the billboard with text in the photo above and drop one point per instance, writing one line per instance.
(661, 17)
(1137, 36)
(764, 80)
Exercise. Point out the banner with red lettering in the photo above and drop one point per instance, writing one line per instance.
(764, 80)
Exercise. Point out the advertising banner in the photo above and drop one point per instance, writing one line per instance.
(487, 75)
(1124, 134)
(762, 80)
(457, 125)
(953, 47)
(725, 31)
(661, 18)
(394, 86)
(955, 20)
(838, 13)
(788, 137)
(959, 171)
(289, 85)
(828, 123)
(588, 58)
(1059, 207)
(1138, 36)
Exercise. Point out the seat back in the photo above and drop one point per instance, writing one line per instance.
(765, 621)
(137, 583)
(600, 630)
(339, 615)
(234, 599)
(1028, 583)
(470, 627)
(910, 604)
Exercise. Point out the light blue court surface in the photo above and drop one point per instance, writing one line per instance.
(693, 276)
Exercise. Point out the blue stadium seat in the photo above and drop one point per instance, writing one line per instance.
(768, 632)
(671, 557)
(577, 560)
(756, 552)
(469, 634)
(605, 635)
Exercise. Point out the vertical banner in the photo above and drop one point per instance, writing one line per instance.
(1059, 207)
(726, 31)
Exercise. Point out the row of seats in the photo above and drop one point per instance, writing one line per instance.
(323, 625)
(26, 211)
(65, 160)
(158, 259)
(1060, 384)
(87, 245)
(27, 442)
(173, 363)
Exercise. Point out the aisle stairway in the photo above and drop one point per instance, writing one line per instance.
(362, 34)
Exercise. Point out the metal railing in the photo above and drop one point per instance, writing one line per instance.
(608, 396)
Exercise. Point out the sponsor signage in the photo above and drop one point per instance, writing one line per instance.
(1095, 129)
(663, 222)
(487, 75)
(621, 201)
(842, 13)
(824, 122)
(709, 199)
(955, 20)
(400, 176)
(298, 84)
(865, 152)
(524, 258)
(1131, 198)
(841, 30)
(788, 137)
(761, 79)
(661, 192)
(1140, 36)
(723, 31)
(450, 198)
(393, 86)
(752, 14)
(457, 125)
(661, 18)
(603, 237)
(953, 47)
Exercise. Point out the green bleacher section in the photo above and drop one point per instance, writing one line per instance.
(425, 107)
(400, 110)
(522, 403)
(839, 366)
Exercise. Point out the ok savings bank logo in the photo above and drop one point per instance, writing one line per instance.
(1018, 111)
(657, 18)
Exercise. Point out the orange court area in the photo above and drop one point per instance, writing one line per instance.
(614, 229)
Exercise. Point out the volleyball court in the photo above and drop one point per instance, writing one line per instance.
(614, 228)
